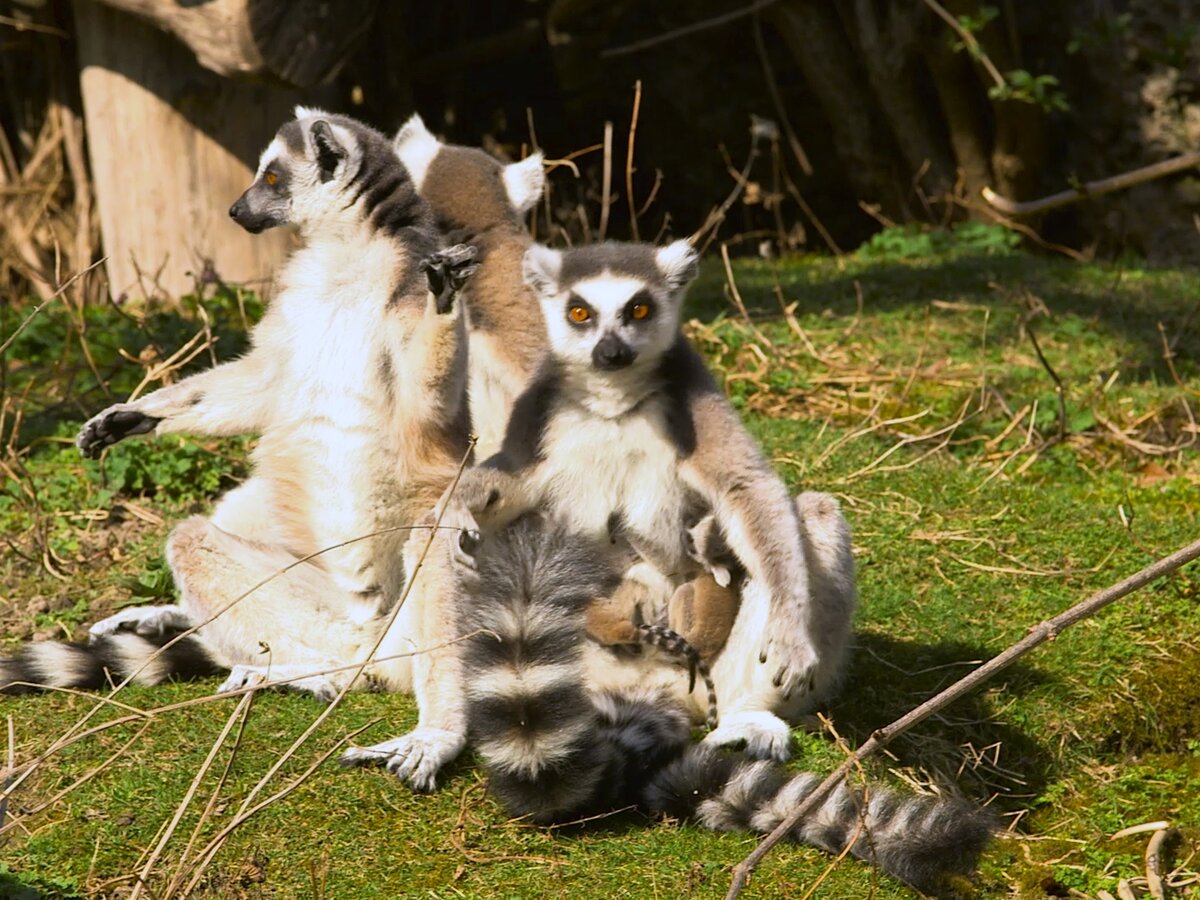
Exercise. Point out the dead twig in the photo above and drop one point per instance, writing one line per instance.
(969, 39)
(1155, 856)
(37, 309)
(605, 182)
(637, 105)
(1090, 188)
(702, 25)
(1039, 634)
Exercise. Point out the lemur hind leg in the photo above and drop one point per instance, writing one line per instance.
(421, 650)
(754, 708)
(271, 614)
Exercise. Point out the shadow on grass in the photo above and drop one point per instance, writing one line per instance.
(968, 743)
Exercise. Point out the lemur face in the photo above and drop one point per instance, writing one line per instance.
(611, 306)
(299, 173)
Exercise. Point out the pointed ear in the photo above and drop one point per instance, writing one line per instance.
(524, 182)
(306, 112)
(541, 268)
(722, 576)
(412, 129)
(329, 150)
(678, 262)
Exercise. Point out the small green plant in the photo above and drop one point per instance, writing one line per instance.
(914, 242)
(1025, 87)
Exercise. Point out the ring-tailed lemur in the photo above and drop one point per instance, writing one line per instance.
(558, 746)
(356, 385)
(480, 201)
(624, 431)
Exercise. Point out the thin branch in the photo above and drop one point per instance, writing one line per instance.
(1091, 188)
(702, 25)
(968, 39)
(637, 105)
(37, 309)
(606, 181)
(1039, 634)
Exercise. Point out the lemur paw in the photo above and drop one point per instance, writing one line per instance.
(147, 621)
(792, 664)
(482, 493)
(447, 271)
(114, 424)
(416, 758)
(765, 735)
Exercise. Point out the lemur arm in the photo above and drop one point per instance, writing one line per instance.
(506, 485)
(229, 399)
(759, 519)
(434, 385)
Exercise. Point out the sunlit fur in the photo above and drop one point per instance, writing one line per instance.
(480, 200)
(355, 385)
(638, 446)
(558, 747)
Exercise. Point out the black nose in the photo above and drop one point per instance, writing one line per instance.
(612, 353)
(238, 210)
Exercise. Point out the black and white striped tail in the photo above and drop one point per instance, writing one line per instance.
(676, 644)
(923, 841)
(106, 661)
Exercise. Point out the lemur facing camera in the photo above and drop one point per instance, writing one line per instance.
(482, 202)
(355, 383)
(558, 746)
(623, 435)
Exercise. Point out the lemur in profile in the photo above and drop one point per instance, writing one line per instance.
(559, 746)
(624, 436)
(355, 383)
(482, 202)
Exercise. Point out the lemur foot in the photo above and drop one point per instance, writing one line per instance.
(112, 425)
(415, 758)
(148, 621)
(765, 735)
(447, 271)
(322, 688)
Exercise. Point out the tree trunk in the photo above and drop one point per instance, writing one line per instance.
(303, 42)
(171, 147)
(817, 42)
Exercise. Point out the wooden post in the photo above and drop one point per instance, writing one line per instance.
(172, 145)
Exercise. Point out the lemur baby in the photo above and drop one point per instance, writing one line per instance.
(557, 747)
(478, 200)
(624, 434)
(356, 385)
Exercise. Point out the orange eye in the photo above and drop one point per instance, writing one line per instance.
(270, 178)
(640, 311)
(579, 313)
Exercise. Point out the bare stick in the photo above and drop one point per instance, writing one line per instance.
(637, 105)
(144, 875)
(1154, 860)
(1059, 390)
(37, 309)
(686, 30)
(606, 181)
(1091, 188)
(1039, 634)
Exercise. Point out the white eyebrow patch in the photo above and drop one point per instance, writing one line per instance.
(274, 149)
(607, 293)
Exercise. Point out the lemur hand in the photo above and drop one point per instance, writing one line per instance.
(488, 495)
(114, 424)
(792, 658)
(447, 272)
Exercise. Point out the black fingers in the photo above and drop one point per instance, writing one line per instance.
(107, 429)
(447, 272)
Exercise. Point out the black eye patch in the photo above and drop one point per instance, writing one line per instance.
(639, 308)
(579, 312)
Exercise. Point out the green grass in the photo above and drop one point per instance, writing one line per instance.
(960, 552)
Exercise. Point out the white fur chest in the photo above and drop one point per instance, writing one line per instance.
(598, 467)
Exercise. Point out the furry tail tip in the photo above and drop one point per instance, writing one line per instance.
(106, 661)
